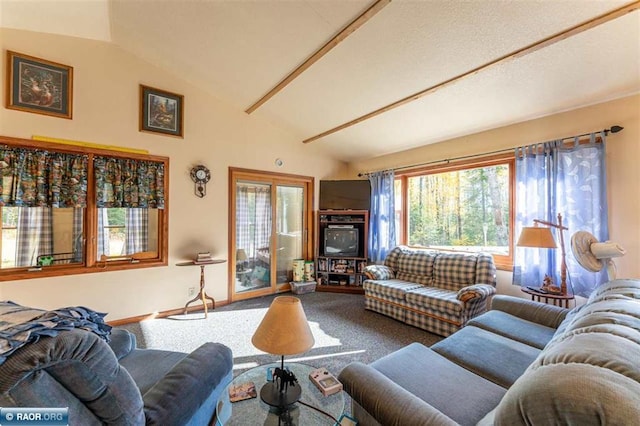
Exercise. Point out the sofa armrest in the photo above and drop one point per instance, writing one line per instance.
(378, 272)
(385, 401)
(540, 313)
(175, 398)
(122, 342)
(475, 292)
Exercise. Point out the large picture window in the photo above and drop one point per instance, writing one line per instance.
(458, 207)
(68, 209)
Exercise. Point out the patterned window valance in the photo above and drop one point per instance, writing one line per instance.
(39, 178)
(124, 182)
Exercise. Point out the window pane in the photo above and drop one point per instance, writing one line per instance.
(463, 210)
(41, 236)
(289, 228)
(9, 230)
(253, 235)
(127, 231)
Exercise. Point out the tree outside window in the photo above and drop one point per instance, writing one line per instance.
(458, 208)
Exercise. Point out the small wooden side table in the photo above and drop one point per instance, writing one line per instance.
(556, 299)
(202, 294)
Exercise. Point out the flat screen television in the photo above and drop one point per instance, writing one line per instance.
(345, 195)
(341, 242)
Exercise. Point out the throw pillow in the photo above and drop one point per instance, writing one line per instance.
(379, 272)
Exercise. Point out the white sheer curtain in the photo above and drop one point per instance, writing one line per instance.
(243, 223)
(382, 234)
(34, 236)
(253, 217)
(103, 233)
(137, 226)
(263, 216)
(552, 178)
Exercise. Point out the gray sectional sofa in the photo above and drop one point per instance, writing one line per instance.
(70, 365)
(521, 363)
(438, 292)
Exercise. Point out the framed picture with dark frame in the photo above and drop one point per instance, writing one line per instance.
(39, 86)
(161, 111)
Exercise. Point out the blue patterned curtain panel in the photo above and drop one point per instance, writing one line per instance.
(38, 178)
(124, 182)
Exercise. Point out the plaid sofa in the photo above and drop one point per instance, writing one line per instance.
(438, 292)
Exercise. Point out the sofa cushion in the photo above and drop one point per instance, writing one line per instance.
(436, 299)
(625, 288)
(455, 391)
(593, 357)
(376, 400)
(570, 394)
(454, 271)
(413, 265)
(148, 366)
(521, 330)
(539, 313)
(437, 322)
(394, 289)
(494, 357)
(187, 394)
(378, 272)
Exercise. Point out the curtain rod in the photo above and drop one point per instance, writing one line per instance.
(613, 129)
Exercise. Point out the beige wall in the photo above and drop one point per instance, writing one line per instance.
(218, 135)
(623, 164)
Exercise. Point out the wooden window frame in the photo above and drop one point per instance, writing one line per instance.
(274, 179)
(90, 220)
(502, 262)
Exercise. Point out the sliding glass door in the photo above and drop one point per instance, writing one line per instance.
(270, 218)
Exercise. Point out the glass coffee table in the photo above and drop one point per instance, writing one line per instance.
(255, 412)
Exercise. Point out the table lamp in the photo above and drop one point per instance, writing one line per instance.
(541, 237)
(284, 330)
(241, 257)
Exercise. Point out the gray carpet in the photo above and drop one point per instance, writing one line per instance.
(343, 330)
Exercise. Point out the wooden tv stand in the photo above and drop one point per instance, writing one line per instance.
(341, 273)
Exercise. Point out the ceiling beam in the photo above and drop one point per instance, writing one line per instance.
(342, 35)
(546, 42)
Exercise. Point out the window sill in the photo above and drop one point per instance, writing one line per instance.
(504, 266)
(57, 271)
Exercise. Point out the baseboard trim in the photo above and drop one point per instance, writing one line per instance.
(163, 314)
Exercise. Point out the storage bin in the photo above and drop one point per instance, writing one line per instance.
(302, 287)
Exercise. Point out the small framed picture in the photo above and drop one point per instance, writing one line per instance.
(161, 111)
(39, 86)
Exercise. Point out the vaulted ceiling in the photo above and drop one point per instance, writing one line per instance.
(381, 76)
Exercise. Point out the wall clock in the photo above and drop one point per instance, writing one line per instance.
(200, 175)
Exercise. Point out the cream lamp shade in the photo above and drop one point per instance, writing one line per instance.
(535, 236)
(284, 330)
(241, 255)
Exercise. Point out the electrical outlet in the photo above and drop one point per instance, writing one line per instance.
(192, 291)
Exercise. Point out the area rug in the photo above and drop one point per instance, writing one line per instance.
(344, 331)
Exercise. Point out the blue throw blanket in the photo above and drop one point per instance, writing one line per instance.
(20, 325)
